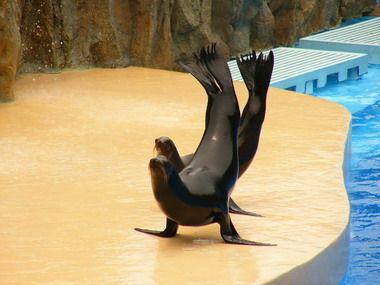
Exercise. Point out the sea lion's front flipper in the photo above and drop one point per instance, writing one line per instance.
(235, 209)
(230, 235)
(170, 230)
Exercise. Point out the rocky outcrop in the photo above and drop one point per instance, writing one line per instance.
(376, 11)
(296, 18)
(9, 47)
(158, 33)
(355, 8)
(60, 34)
(57, 34)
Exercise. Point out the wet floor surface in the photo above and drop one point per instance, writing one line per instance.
(74, 183)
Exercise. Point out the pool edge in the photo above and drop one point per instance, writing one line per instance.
(331, 264)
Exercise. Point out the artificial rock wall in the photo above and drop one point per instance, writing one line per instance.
(48, 35)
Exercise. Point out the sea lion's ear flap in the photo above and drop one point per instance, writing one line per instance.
(247, 65)
(263, 73)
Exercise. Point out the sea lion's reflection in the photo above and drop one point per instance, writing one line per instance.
(199, 256)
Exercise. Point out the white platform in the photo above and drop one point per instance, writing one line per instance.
(302, 69)
(363, 37)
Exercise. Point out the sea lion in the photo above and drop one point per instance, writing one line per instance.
(256, 74)
(199, 194)
(166, 147)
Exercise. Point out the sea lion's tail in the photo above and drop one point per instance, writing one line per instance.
(263, 74)
(247, 65)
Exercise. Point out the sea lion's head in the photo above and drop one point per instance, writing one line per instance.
(164, 146)
(163, 176)
(161, 169)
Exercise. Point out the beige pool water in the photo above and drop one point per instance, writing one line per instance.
(74, 150)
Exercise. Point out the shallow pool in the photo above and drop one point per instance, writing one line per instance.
(362, 98)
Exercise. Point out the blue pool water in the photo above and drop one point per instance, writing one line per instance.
(362, 98)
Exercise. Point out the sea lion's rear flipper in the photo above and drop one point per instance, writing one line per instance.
(247, 65)
(218, 67)
(230, 235)
(254, 111)
(199, 70)
(170, 230)
(263, 74)
(235, 209)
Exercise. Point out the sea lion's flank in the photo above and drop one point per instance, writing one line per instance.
(256, 74)
(199, 194)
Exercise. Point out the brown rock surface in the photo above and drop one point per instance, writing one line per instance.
(376, 11)
(9, 47)
(296, 18)
(58, 34)
(355, 8)
(157, 33)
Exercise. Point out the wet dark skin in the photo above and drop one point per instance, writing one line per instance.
(256, 74)
(199, 194)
